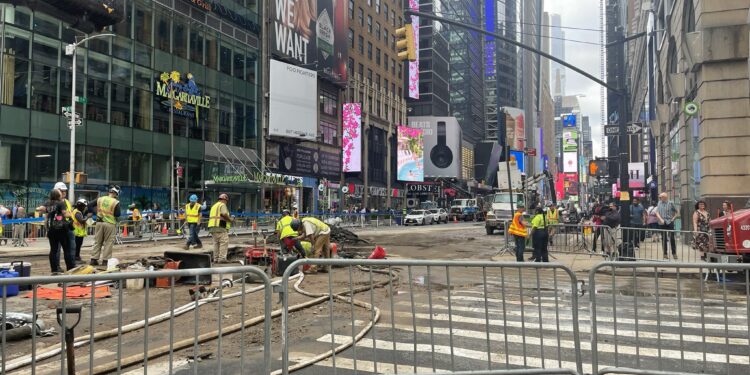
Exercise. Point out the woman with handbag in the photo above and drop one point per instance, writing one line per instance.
(58, 227)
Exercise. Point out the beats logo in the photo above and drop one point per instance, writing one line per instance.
(441, 155)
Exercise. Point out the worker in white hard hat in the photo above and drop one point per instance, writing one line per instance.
(219, 222)
(105, 230)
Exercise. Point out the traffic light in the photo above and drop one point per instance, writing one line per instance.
(87, 16)
(598, 168)
(405, 44)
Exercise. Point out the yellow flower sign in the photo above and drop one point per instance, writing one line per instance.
(185, 96)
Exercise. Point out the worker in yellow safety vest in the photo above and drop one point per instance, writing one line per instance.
(287, 235)
(107, 212)
(317, 232)
(134, 214)
(219, 223)
(79, 225)
(518, 231)
(193, 215)
(553, 218)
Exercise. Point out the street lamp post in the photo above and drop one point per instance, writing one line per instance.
(71, 49)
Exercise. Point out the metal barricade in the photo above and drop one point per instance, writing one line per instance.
(664, 318)
(420, 316)
(157, 327)
(20, 232)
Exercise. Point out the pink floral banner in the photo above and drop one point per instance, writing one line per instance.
(352, 140)
(414, 65)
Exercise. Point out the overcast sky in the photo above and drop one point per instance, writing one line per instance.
(582, 14)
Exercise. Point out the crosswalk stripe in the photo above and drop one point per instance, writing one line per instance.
(370, 366)
(551, 342)
(569, 328)
(532, 362)
(583, 316)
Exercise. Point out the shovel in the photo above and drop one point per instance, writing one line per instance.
(69, 335)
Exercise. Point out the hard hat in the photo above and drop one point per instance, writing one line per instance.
(193, 198)
(223, 196)
(294, 206)
(115, 189)
(82, 201)
(61, 186)
(285, 211)
(132, 205)
(296, 224)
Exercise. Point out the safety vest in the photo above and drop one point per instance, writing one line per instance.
(552, 216)
(1, 225)
(105, 209)
(68, 208)
(319, 225)
(516, 226)
(284, 226)
(79, 229)
(215, 219)
(137, 215)
(193, 211)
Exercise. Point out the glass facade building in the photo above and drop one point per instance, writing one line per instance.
(208, 52)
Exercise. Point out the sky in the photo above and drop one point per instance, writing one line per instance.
(582, 14)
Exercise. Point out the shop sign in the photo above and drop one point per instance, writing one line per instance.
(187, 96)
(376, 191)
(260, 178)
(423, 188)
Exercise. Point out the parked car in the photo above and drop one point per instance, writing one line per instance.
(418, 217)
(439, 215)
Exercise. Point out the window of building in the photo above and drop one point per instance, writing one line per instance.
(393, 66)
(385, 10)
(385, 36)
(385, 62)
(369, 51)
(351, 38)
(361, 71)
(377, 30)
(350, 65)
(393, 18)
(393, 89)
(385, 84)
(369, 24)
(179, 38)
(143, 25)
(377, 81)
(44, 88)
(351, 9)
(41, 160)
(12, 165)
(377, 6)
(377, 56)
(369, 75)
(361, 16)
(329, 132)
(393, 42)
(196, 44)
(329, 103)
(369, 3)
(361, 43)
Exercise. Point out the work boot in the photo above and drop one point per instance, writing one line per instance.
(94, 262)
(199, 246)
(666, 257)
(674, 256)
(187, 246)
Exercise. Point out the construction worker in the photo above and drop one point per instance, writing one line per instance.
(134, 214)
(287, 235)
(317, 232)
(518, 231)
(107, 212)
(219, 223)
(553, 217)
(539, 236)
(79, 225)
(193, 213)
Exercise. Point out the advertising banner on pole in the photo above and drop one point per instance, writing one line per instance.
(293, 101)
(637, 172)
(352, 140)
(570, 162)
(414, 65)
(410, 154)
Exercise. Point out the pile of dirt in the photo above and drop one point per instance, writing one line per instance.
(338, 235)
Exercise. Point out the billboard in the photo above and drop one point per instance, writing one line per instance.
(569, 120)
(293, 101)
(637, 174)
(570, 162)
(311, 32)
(518, 156)
(442, 145)
(414, 65)
(352, 140)
(570, 141)
(515, 128)
(303, 161)
(410, 154)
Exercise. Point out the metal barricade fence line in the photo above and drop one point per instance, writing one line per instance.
(68, 343)
(716, 343)
(453, 347)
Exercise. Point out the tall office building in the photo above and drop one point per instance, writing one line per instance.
(530, 67)
(500, 62)
(557, 42)
(434, 78)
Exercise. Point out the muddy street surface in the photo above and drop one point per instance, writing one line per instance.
(416, 319)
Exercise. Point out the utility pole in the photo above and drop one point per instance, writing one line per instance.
(622, 147)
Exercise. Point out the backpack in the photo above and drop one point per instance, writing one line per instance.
(56, 220)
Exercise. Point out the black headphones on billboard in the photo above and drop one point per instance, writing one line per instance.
(441, 155)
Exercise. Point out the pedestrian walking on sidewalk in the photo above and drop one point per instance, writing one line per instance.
(667, 212)
(701, 218)
(540, 236)
(518, 231)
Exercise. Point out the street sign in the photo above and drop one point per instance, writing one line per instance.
(66, 109)
(68, 114)
(531, 151)
(635, 128)
(82, 99)
(611, 130)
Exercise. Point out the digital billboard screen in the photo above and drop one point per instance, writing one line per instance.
(293, 101)
(410, 154)
(570, 141)
(352, 141)
(570, 162)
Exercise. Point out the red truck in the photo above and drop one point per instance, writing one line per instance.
(731, 238)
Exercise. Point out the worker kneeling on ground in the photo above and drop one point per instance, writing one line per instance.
(288, 235)
(318, 233)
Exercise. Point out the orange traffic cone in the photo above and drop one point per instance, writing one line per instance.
(124, 230)
(255, 225)
(377, 253)
(455, 220)
(334, 250)
(164, 229)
